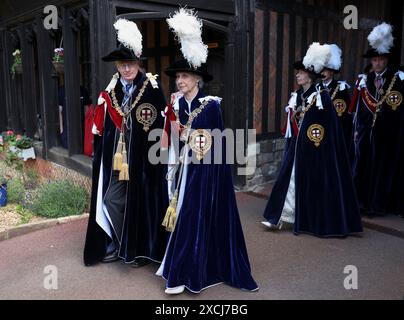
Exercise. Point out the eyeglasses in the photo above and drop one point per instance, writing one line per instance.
(124, 66)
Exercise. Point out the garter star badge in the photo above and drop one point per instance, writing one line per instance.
(340, 106)
(146, 114)
(316, 133)
(200, 142)
(394, 99)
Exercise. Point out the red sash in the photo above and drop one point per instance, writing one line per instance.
(100, 113)
(354, 101)
(368, 100)
(293, 123)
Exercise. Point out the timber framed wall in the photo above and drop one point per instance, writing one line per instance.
(283, 30)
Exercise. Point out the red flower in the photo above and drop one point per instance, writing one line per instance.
(10, 132)
(19, 137)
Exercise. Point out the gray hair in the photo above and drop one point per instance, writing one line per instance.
(200, 81)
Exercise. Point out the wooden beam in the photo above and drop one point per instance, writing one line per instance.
(3, 81)
(28, 80)
(48, 89)
(102, 41)
(72, 84)
(224, 6)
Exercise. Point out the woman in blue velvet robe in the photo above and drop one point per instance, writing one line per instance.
(314, 189)
(207, 245)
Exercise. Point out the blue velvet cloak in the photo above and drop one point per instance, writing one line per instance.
(325, 199)
(207, 246)
(146, 193)
(378, 167)
(344, 117)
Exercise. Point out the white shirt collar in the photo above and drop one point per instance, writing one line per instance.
(189, 103)
(327, 83)
(380, 74)
(124, 82)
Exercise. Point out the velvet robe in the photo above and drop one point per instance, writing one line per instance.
(207, 246)
(146, 190)
(325, 199)
(344, 116)
(378, 167)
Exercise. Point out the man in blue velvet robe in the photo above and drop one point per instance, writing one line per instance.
(129, 194)
(378, 168)
(338, 91)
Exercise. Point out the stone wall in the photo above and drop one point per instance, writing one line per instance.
(268, 155)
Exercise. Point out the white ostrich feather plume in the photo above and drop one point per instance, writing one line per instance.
(335, 60)
(381, 38)
(316, 57)
(129, 35)
(187, 28)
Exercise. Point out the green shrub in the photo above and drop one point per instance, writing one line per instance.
(59, 199)
(15, 191)
(26, 215)
(31, 178)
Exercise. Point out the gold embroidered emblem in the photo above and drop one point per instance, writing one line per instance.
(394, 99)
(316, 133)
(340, 106)
(200, 142)
(146, 114)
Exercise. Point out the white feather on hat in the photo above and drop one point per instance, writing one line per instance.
(316, 57)
(129, 35)
(381, 38)
(335, 60)
(188, 29)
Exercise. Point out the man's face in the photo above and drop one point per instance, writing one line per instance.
(128, 69)
(328, 75)
(379, 64)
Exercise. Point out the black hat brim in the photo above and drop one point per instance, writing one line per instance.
(120, 54)
(372, 53)
(333, 70)
(183, 66)
(298, 65)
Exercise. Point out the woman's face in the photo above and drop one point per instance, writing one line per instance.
(303, 78)
(186, 82)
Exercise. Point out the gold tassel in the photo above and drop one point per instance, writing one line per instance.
(124, 173)
(118, 154)
(171, 214)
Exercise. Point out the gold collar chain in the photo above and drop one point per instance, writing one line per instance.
(378, 104)
(139, 96)
(335, 92)
(194, 114)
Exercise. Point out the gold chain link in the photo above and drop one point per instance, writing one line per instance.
(139, 96)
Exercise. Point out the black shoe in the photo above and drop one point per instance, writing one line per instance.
(140, 262)
(110, 257)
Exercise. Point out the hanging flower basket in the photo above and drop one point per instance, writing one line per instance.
(16, 67)
(59, 67)
(58, 60)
